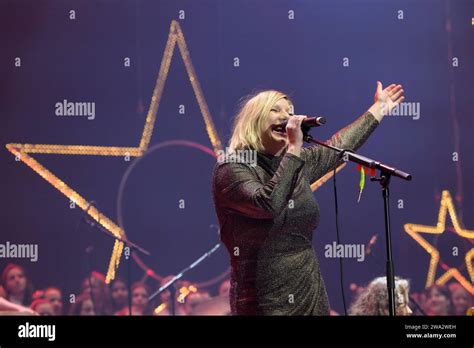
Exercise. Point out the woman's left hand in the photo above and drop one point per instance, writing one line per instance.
(386, 99)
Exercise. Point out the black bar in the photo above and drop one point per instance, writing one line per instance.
(259, 330)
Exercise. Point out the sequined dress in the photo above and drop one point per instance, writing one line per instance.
(267, 215)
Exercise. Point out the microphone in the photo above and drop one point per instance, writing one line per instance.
(308, 122)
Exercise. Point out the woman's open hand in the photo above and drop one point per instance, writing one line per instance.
(386, 99)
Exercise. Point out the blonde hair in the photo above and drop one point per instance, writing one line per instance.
(249, 121)
(373, 300)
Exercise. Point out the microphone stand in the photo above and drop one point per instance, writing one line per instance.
(180, 275)
(386, 172)
(131, 246)
(89, 250)
(90, 269)
(417, 305)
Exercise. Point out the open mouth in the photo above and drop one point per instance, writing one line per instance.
(278, 129)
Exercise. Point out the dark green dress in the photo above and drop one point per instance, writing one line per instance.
(267, 214)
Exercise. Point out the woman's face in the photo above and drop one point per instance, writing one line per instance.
(55, 298)
(275, 142)
(403, 308)
(461, 301)
(139, 297)
(119, 293)
(96, 287)
(87, 308)
(439, 304)
(16, 281)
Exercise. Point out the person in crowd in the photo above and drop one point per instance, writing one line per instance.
(83, 305)
(43, 307)
(18, 288)
(95, 286)
(140, 303)
(55, 297)
(119, 294)
(439, 301)
(462, 300)
(373, 300)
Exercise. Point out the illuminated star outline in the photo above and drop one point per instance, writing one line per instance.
(414, 230)
(22, 151)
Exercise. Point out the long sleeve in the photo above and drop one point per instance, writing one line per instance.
(237, 189)
(321, 160)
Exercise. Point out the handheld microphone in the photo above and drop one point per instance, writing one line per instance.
(308, 122)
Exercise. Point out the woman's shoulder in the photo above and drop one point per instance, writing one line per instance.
(236, 159)
(233, 169)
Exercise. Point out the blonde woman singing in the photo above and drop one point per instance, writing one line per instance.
(267, 211)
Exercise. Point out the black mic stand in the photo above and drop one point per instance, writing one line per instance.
(131, 247)
(90, 269)
(386, 172)
(417, 305)
(180, 275)
(89, 261)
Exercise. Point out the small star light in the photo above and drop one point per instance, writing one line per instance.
(414, 231)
